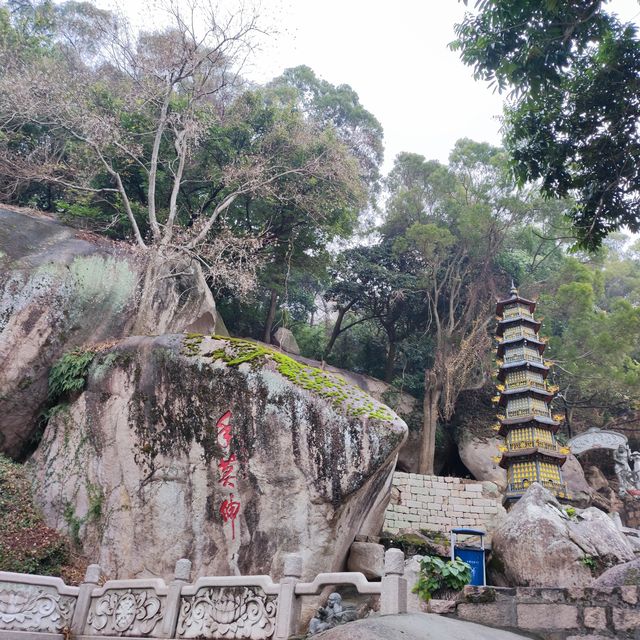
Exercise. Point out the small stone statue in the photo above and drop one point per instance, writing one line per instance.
(627, 478)
(331, 615)
(635, 459)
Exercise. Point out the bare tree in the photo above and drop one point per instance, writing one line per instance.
(119, 100)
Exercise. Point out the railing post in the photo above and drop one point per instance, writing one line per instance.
(288, 614)
(182, 575)
(393, 598)
(83, 603)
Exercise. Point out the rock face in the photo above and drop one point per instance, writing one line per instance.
(404, 404)
(220, 451)
(477, 455)
(627, 574)
(368, 558)
(573, 476)
(540, 544)
(61, 288)
(284, 339)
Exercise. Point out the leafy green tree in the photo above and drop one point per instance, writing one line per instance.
(338, 107)
(297, 235)
(594, 339)
(450, 224)
(572, 121)
(372, 284)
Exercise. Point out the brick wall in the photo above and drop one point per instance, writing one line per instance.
(441, 504)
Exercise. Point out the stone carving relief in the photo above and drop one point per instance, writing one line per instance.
(34, 608)
(596, 439)
(125, 613)
(228, 613)
(626, 463)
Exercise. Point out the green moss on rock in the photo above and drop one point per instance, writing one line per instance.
(343, 396)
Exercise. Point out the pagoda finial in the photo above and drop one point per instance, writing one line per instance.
(514, 289)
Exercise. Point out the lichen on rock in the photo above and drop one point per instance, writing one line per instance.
(61, 290)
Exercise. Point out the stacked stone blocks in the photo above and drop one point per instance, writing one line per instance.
(556, 614)
(439, 503)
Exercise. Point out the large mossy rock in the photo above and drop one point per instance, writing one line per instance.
(173, 434)
(543, 544)
(61, 288)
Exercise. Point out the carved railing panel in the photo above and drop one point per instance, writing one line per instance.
(228, 613)
(125, 612)
(31, 607)
(211, 608)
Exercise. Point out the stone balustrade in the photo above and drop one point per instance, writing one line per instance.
(229, 607)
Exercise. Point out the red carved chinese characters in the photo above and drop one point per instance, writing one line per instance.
(230, 508)
(227, 469)
(229, 511)
(223, 428)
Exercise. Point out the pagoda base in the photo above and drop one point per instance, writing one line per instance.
(515, 491)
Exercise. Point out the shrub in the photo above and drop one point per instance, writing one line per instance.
(27, 545)
(437, 575)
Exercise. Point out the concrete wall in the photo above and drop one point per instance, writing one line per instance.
(441, 504)
(556, 614)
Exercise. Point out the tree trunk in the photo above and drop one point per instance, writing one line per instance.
(391, 361)
(335, 332)
(432, 393)
(568, 416)
(271, 316)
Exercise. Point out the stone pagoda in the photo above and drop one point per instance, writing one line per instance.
(530, 452)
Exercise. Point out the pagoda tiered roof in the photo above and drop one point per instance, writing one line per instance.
(522, 421)
(515, 298)
(530, 453)
(519, 364)
(504, 323)
(543, 394)
(540, 345)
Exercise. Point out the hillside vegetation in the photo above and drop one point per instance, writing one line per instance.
(276, 192)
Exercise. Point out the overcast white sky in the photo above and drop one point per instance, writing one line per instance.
(395, 55)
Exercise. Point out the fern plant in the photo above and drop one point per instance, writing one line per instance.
(69, 373)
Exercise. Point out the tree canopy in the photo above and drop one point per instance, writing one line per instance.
(573, 70)
(158, 126)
